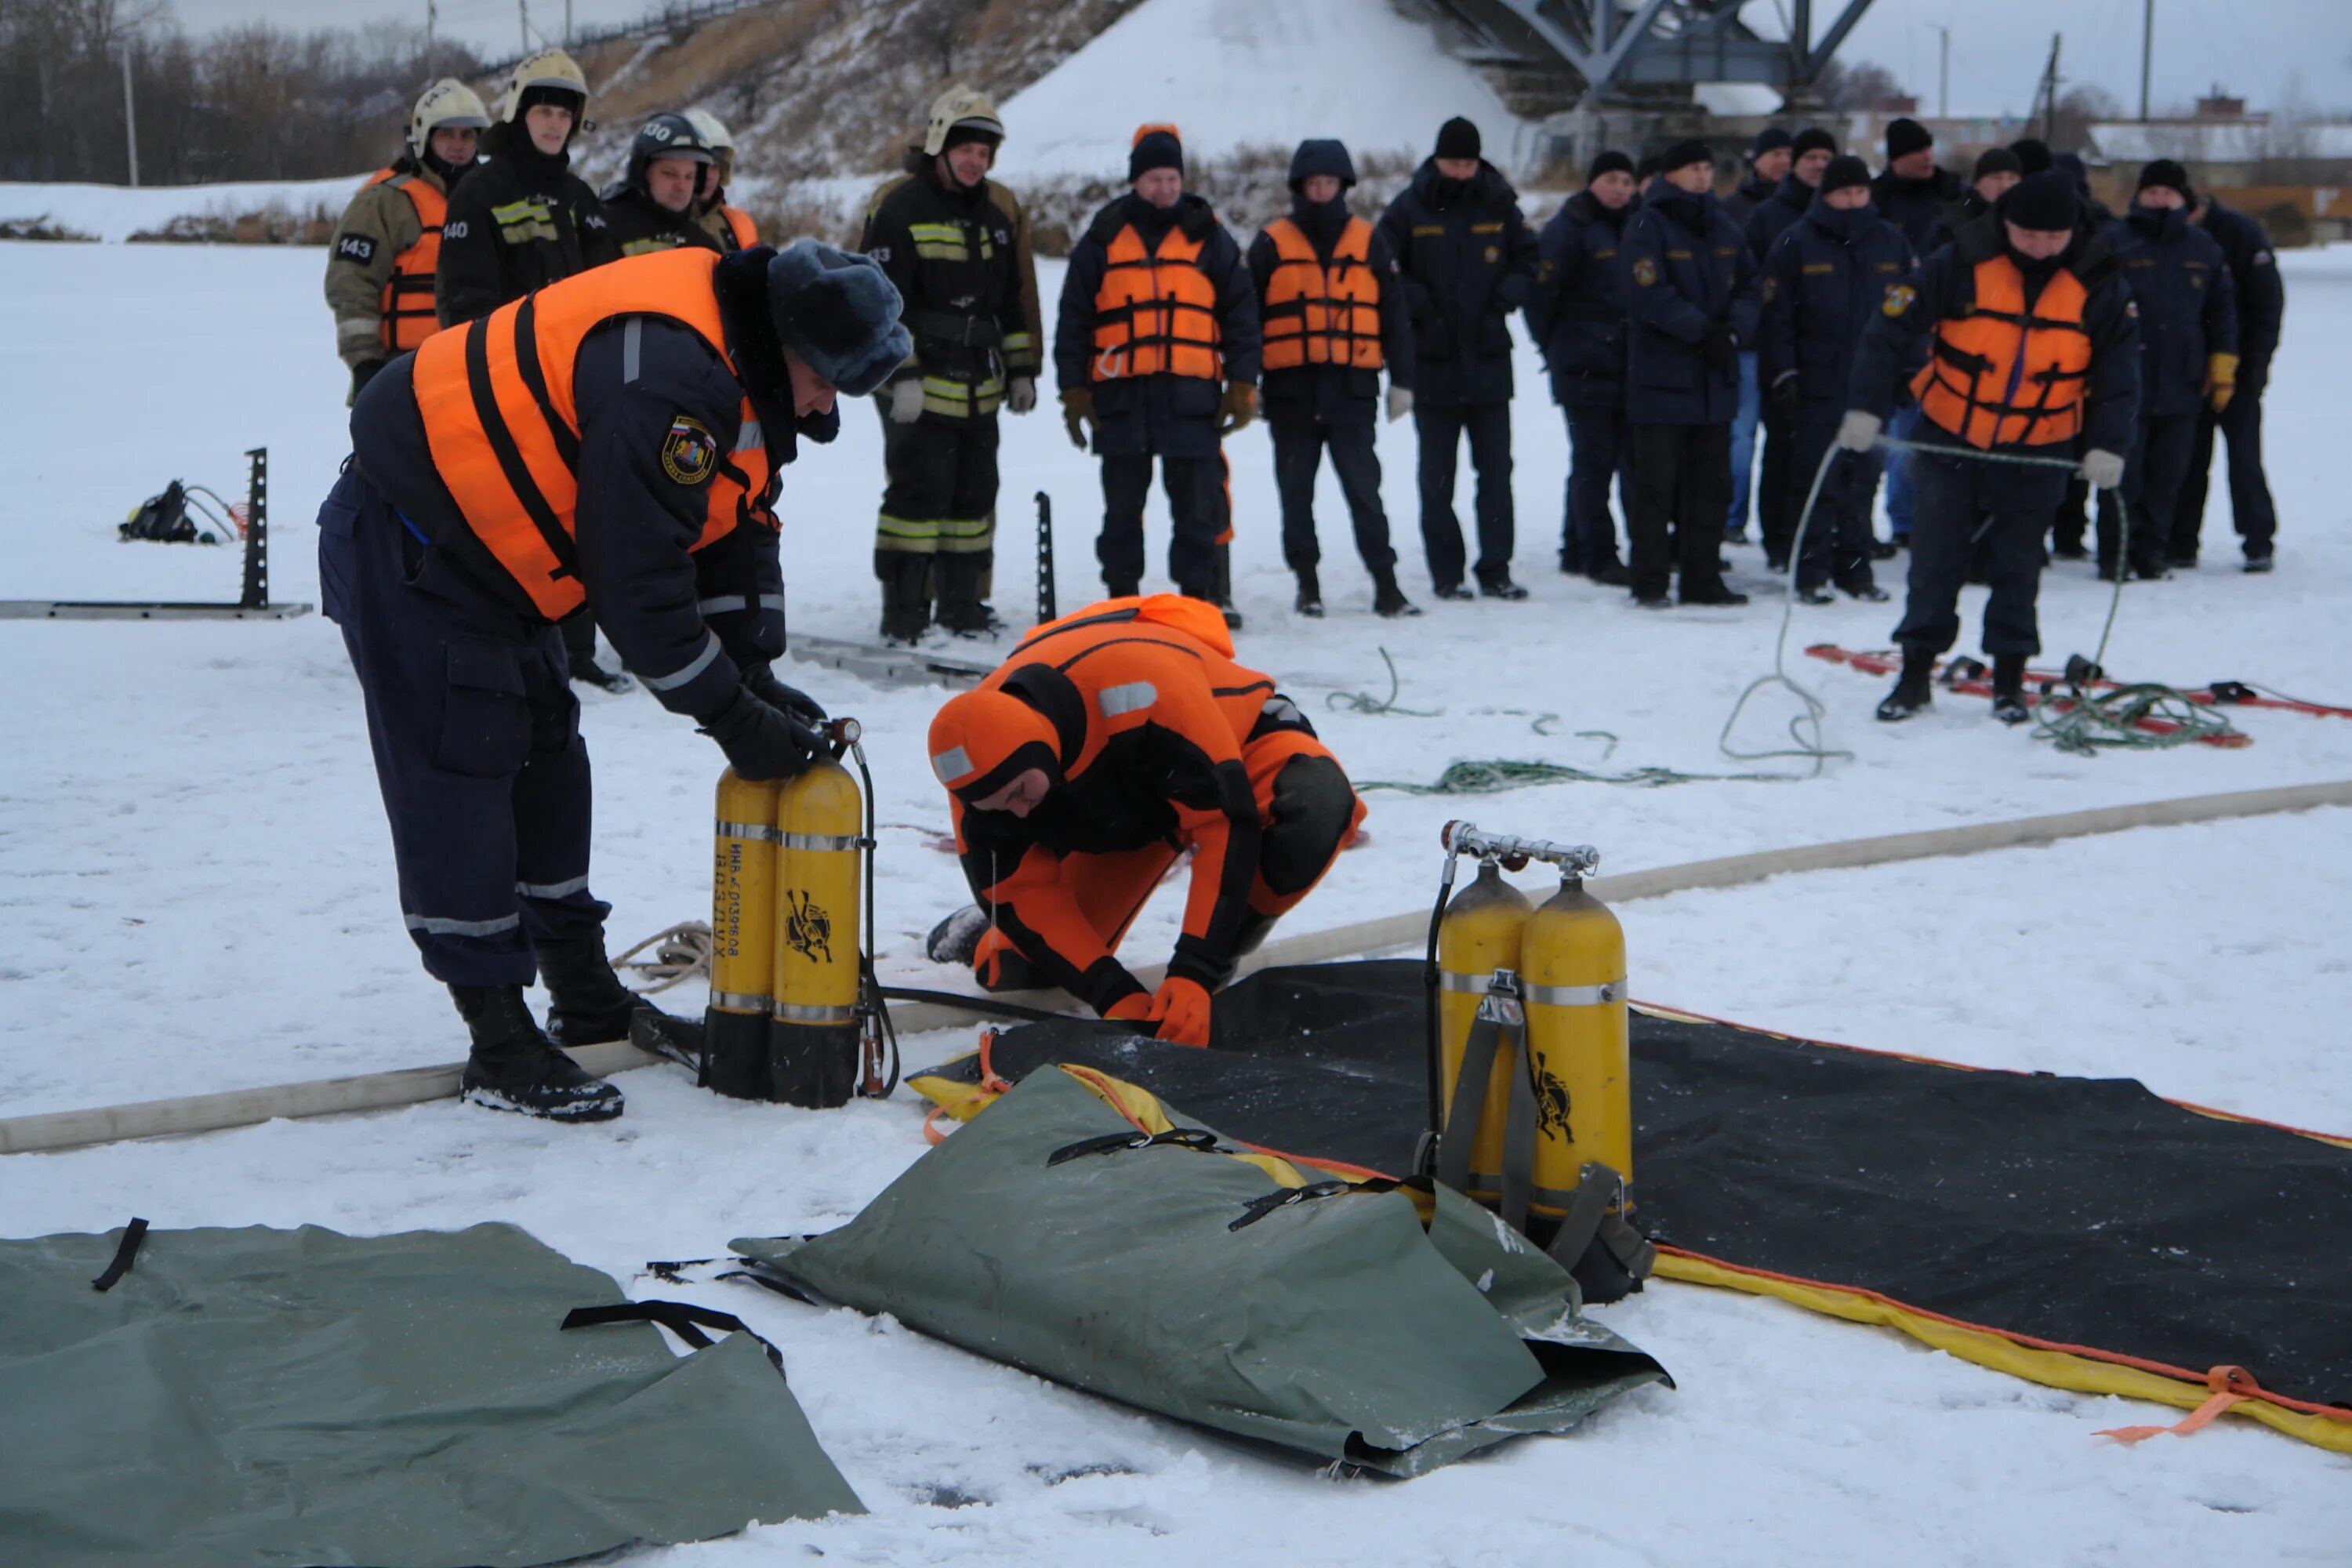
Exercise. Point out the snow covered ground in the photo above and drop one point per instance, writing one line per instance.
(115, 212)
(196, 894)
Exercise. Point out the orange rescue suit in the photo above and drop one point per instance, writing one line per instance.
(497, 401)
(1156, 312)
(1316, 314)
(1163, 743)
(408, 314)
(2002, 375)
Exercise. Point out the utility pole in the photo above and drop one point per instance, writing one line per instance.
(1943, 72)
(2147, 52)
(130, 114)
(522, 18)
(2050, 91)
(567, 24)
(430, 18)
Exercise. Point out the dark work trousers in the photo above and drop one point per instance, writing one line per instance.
(1681, 481)
(1297, 457)
(1837, 537)
(1780, 492)
(2249, 492)
(1600, 447)
(478, 747)
(579, 637)
(1441, 426)
(2153, 478)
(1194, 487)
(1956, 502)
(2074, 516)
(939, 491)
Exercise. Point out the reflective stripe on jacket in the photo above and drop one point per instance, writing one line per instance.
(1317, 313)
(496, 402)
(1156, 312)
(2001, 376)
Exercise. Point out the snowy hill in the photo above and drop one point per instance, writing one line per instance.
(115, 212)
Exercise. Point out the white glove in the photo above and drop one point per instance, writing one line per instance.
(907, 400)
(1021, 395)
(1859, 431)
(1399, 403)
(2104, 470)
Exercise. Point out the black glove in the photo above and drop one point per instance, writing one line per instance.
(760, 681)
(364, 372)
(1720, 349)
(762, 742)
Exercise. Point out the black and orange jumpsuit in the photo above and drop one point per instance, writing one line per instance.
(1155, 742)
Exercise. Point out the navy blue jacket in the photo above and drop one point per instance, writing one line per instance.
(1688, 268)
(1468, 262)
(2188, 309)
(1917, 206)
(685, 620)
(1775, 216)
(2254, 276)
(1895, 344)
(1172, 415)
(1825, 280)
(1334, 394)
(1752, 192)
(1578, 311)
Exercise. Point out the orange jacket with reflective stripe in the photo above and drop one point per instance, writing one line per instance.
(2001, 376)
(408, 314)
(1320, 314)
(1156, 312)
(497, 400)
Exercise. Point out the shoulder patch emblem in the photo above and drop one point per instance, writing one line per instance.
(1645, 272)
(1898, 298)
(690, 453)
(356, 248)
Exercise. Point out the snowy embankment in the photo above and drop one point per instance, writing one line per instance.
(198, 896)
(115, 212)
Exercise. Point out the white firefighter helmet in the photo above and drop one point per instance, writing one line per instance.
(716, 137)
(448, 102)
(959, 106)
(548, 67)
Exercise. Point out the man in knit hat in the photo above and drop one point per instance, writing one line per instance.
(1467, 260)
(2031, 349)
(1911, 192)
(2188, 361)
(1578, 316)
(1156, 352)
(1779, 493)
(609, 442)
(1997, 169)
(1769, 160)
(1691, 300)
(2262, 305)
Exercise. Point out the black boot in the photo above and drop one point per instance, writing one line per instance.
(1309, 601)
(1914, 691)
(1498, 585)
(1221, 587)
(1389, 601)
(2009, 689)
(514, 1068)
(956, 939)
(960, 610)
(906, 595)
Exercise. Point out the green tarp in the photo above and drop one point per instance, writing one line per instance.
(1336, 1325)
(260, 1397)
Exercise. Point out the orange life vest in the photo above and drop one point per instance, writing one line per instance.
(740, 225)
(1316, 314)
(2001, 376)
(407, 303)
(1156, 312)
(500, 416)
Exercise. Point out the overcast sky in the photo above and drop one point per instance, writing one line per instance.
(2264, 50)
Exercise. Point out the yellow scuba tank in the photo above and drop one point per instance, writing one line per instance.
(1480, 933)
(1572, 969)
(742, 938)
(813, 1034)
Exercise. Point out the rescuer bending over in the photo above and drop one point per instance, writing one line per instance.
(1112, 740)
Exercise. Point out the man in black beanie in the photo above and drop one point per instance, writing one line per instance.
(1156, 348)
(1692, 302)
(2262, 305)
(2034, 155)
(1769, 160)
(1824, 282)
(2031, 347)
(1466, 261)
(1776, 505)
(1996, 171)
(1578, 316)
(1911, 192)
(2188, 360)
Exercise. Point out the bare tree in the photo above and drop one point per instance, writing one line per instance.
(2079, 108)
(1864, 85)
